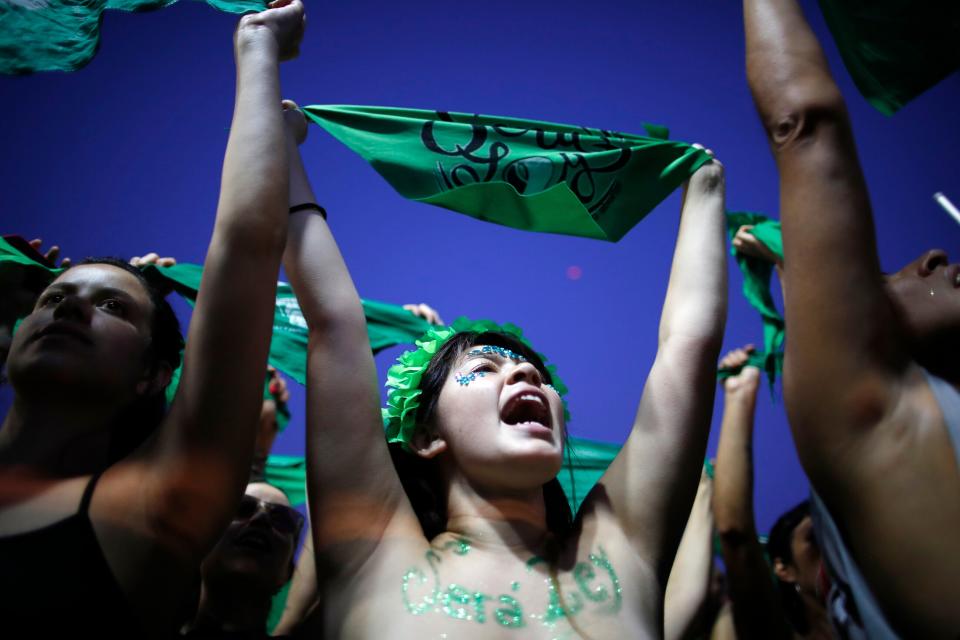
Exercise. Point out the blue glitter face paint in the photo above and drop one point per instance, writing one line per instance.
(467, 379)
(500, 351)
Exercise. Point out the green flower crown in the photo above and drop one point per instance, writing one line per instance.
(403, 378)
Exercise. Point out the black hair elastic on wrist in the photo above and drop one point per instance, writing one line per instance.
(310, 206)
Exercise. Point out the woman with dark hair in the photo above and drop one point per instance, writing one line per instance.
(489, 552)
(871, 374)
(95, 539)
(763, 608)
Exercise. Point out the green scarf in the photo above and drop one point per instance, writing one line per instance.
(387, 324)
(756, 289)
(61, 35)
(895, 49)
(525, 174)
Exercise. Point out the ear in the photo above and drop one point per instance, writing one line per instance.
(784, 572)
(155, 379)
(427, 443)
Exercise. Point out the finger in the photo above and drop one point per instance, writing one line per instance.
(150, 258)
(36, 242)
(52, 253)
(167, 262)
(65, 263)
(136, 261)
(289, 105)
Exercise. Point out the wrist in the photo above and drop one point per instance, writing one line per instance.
(252, 38)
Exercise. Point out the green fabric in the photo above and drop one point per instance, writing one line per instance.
(289, 474)
(387, 324)
(756, 289)
(525, 174)
(582, 469)
(895, 49)
(63, 35)
(20, 275)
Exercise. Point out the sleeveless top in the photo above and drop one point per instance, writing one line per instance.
(852, 608)
(55, 582)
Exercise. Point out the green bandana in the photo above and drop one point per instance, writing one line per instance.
(895, 49)
(60, 35)
(756, 289)
(403, 378)
(525, 174)
(387, 325)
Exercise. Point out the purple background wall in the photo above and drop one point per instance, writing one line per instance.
(124, 156)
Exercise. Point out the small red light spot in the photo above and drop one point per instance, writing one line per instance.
(574, 272)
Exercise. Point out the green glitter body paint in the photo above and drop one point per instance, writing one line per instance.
(459, 602)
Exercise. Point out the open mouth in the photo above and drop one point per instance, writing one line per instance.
(527, 408)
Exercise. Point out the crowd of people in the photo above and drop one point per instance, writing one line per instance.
(441, 516)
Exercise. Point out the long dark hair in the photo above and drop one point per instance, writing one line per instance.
(421, 477)
(778, 546)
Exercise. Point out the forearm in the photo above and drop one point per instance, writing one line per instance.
(785, 64)
(841, 325)
(695, 305)
(733, 487)
(689, 581)
(253, 192)
(325, 290)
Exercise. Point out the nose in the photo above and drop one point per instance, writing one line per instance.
(524, 372)
(73, 307)
(931, 260)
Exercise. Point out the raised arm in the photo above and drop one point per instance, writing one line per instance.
(689, 584)
(186, 486)
(650, 485)
(869, 433)
(353, 488)
(756, 605)
(841, 324)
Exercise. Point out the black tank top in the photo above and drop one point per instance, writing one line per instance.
(55, 582)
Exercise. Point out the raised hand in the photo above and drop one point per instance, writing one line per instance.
(295, 121)
(284, 19)
(748, 244)
(152, 258)
(424, 311)
(748, 380)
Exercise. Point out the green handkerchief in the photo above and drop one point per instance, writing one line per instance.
(895, 49)
(63, 35)
(756, 289)
(524, 174)
(387, 324)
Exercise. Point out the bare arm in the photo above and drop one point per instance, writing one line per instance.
(756, 605)
(868, 432)
(651, 483)
(183, 490)
(353, 488)
(303, 595)
(689, 582)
